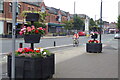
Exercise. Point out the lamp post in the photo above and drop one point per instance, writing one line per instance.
(13, 38)
(100, 20)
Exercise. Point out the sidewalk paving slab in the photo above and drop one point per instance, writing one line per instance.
(77, 63)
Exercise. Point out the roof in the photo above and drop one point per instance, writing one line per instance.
(33, 3)
(63, 13)
(52, 10)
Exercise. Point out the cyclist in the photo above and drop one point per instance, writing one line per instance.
(75, 39)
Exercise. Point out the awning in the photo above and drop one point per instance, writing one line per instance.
(55, 24)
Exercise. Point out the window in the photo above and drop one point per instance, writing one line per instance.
(28, 8)
(32, 9)
(10, 7)
(42, 9)
(1, 6)
(19, 8)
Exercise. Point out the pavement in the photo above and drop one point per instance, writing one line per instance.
(77, 63)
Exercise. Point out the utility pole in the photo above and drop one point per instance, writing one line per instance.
(100, 20)
(13, 38)
(74, 16)
(74, 7)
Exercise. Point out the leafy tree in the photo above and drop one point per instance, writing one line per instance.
(68, 24)
(92, 24)
(118, 23)
(78, 23)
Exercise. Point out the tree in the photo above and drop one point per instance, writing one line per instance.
(68, 24)
(92, 24)
(78, 23)
(118, 23)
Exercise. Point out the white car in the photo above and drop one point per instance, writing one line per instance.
(117, 36)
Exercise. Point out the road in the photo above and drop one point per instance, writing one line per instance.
(6, 44)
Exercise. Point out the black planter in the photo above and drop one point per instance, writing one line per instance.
(94, 47)
(32, 17)
(32, 68)
(34, 38)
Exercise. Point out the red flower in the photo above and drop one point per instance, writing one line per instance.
(36, 31)
(30, 50)
(37, 51)
(93, 41)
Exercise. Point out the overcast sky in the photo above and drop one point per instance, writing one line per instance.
(88, 7)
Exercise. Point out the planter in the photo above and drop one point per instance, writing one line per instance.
(32, 17)
(32, 68)
(34, 38)
(94, 47)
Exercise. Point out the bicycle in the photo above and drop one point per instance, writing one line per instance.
(75, 42)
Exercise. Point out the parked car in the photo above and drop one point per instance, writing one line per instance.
(81, 33)
(117, 36)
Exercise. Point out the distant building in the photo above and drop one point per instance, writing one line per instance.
(113, 27)
(105, 27)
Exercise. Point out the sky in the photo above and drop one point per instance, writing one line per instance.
(88, 7)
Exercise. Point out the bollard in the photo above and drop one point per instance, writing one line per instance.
(20, 45)
(54, 43)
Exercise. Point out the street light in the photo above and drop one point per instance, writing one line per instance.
(100, 20)
(13, 38)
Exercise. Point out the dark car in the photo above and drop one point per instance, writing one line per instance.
(81, 33)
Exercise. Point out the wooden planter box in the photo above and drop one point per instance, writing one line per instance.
(35, 38)
(32, 17)
(94, 47)
(32, 68)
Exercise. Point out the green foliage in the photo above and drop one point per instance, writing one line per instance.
(118, 22)
(37, 24)
(68, 24)
(78, 23)
(92, 24)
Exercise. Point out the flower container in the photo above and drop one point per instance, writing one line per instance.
(32, 67)
(33, 38)
(32, 17)
(94, 47)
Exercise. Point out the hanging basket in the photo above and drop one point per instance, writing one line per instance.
(34, 38)
(32, 17)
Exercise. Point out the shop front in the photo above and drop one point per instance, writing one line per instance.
(55, 27)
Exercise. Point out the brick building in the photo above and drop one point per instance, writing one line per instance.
(53, 21)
